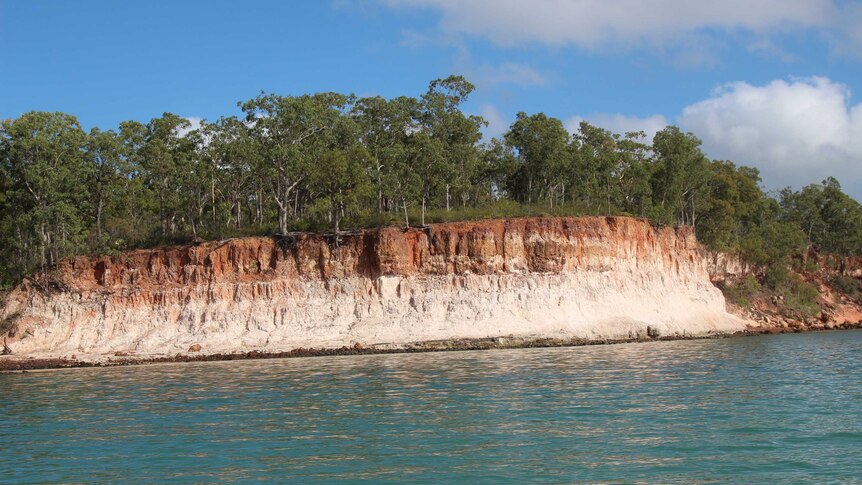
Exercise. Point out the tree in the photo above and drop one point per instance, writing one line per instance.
(732, 205)
(341, 183)
(105, 154)
(599, 167)
(540, 146)
(384, 127)
(45, 164)
(284, 127)
(228, 147)
(499, 167)
(330, 159)
(680, 176)
(164, 157)
(447, 140)
(632, 172)
(831, 220)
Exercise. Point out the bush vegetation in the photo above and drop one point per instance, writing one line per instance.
(332, 161)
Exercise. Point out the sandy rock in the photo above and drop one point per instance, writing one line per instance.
(589, 278)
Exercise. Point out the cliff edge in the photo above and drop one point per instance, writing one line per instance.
(535, 278)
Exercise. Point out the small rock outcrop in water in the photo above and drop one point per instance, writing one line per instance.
(587, 278)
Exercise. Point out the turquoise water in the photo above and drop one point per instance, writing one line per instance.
(785, 408)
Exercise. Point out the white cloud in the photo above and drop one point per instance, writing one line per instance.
(497, 123)
(506, 73)
(593, 24)
(194, 124)
(619, 123)
(795, 132)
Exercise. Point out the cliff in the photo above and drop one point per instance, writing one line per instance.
(538, 278)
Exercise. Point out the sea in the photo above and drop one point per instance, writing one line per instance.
(765, 409)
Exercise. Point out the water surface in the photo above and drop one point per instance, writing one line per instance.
(785, 408)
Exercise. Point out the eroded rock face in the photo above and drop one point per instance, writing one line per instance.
(583, 277)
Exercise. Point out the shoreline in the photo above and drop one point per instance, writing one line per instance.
(11, 364)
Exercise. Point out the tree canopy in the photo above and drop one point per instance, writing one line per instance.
(332, 161)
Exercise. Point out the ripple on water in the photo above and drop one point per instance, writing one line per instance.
(784, 407)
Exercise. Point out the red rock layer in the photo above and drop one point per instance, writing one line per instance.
(530, 245)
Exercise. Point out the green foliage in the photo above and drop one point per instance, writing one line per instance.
(830, 219)
(681, 173)
(332, 162)
(771, 243)
(743, 292)
(801, 297)
(847, 285)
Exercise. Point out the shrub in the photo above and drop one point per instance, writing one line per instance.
(777, 276)
(849, 286)
(9, 325)
(801, 297)
(742, 292)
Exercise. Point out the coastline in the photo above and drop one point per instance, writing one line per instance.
(562, 280)
(477, 285)
(12, 364)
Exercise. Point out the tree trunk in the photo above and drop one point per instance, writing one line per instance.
(44, 246)
(282, 220)
(238, 213)
(99, 218)
(212, 194)
(337, 218)
(563, 196)
(609, 194)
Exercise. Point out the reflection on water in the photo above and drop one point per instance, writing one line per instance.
(786, 407)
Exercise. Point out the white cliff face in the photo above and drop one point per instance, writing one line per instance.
(591, 278)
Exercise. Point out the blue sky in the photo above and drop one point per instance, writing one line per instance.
(768, 83)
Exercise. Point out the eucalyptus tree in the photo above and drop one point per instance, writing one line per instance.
(197, 182)
(284, 128)
(339, 180)
(540, 145)
(843, 218)
(105, 152)
(499, 168)
(46, 170)
(384, 127)
(233, 153)
(632, 171)
(597, 164)
(429, 169)
(9, 270)
(680, 176)
(164, 157)
(448, 140)
(732, 206)
(830, 219)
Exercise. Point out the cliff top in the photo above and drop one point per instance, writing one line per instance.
(530, 244)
